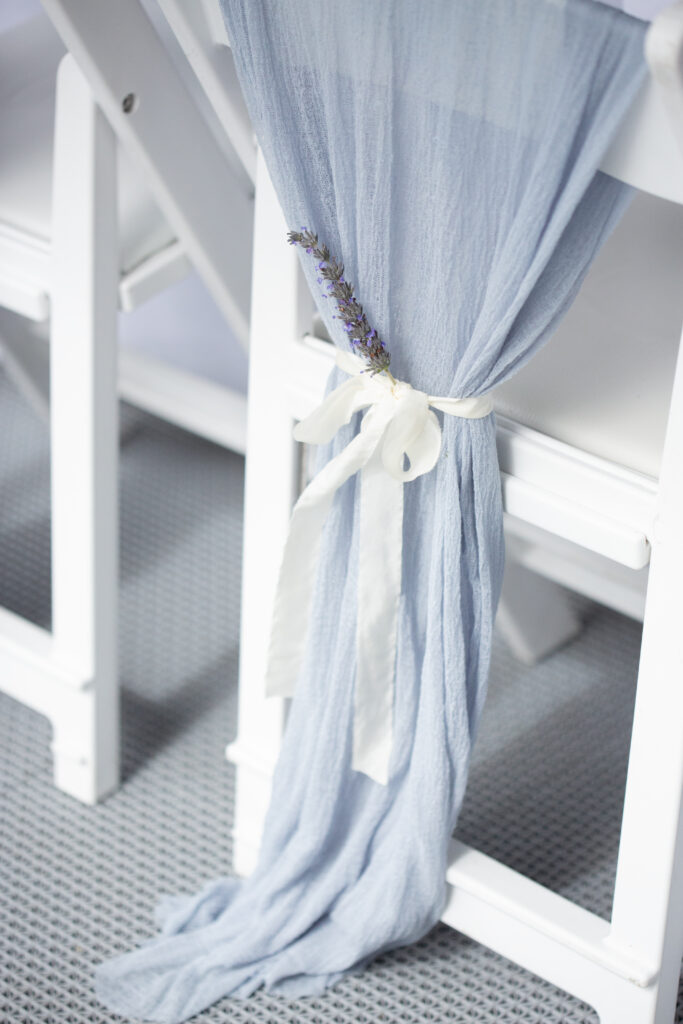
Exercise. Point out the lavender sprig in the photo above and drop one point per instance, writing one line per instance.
(364, 339)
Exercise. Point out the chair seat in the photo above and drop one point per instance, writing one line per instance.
(29, 56)
(603, 382)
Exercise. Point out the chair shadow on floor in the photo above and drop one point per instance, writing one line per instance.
(152, 724)
(27, 594)
(155, 520)
(545, 797)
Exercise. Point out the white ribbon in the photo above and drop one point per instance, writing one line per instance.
(399, 424)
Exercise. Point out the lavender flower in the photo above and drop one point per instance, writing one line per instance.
(364, 340)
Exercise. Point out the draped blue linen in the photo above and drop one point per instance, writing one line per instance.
(446, 151)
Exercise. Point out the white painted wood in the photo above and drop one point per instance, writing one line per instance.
(121, 55)
(645, 152)
(208, 410)
(200, 30)
(271, 473)
(71, 675)
(311, 361)
(28, 670)
(537, 908)
(600, 486)
(24, 273)
(84, 437)
(574, 522)
(664, 51)
(544, 933)
(648, 898)
(26, 279)
(571, 565)
(647, 921)
(161, 270)
(30, 674)
(603, 382)
(19, 294)
(648, 149)
(219, 33)
(24, 351)
(534, 616)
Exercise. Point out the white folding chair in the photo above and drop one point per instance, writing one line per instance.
(75, 245)
(617, 520)
(585, 516)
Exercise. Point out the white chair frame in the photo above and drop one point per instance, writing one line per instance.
(627, 968)
(70, 673)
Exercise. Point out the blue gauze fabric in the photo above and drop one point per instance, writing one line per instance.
(447, 153)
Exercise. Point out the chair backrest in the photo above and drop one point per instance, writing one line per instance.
(122, 51)
(199, 30)
(158, 121)
(646, 153)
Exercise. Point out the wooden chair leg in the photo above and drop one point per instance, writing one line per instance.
(648, 897)
(633, 1006)
(84, 439)
(271, 471)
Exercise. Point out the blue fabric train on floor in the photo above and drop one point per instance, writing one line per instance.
(446, 150)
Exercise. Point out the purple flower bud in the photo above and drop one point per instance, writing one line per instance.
(362, 338)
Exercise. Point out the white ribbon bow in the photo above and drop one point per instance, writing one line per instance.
(399, 424)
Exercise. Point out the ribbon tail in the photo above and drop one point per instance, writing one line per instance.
(294, 594)
(334, 411)
(291, 611)
(379, 591)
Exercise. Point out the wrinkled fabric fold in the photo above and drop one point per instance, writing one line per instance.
(398, 426)
(447, 153)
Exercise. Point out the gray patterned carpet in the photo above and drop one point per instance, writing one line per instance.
(78, 884)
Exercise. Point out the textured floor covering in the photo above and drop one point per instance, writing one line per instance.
(78, 884)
